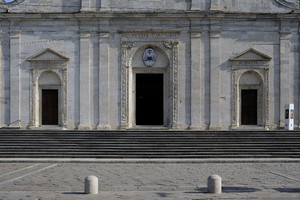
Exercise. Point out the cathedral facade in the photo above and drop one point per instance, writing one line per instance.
(148, 64)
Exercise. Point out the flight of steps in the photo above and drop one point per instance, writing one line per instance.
(148, 144)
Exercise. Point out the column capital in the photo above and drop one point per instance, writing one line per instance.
(14, 33)
(285, 34)
(195, 33)
(215, 34)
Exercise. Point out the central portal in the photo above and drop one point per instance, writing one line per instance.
(149, 99)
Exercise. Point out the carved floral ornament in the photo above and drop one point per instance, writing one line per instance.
(294, 4)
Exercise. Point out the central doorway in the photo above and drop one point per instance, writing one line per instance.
(50, 107)
(149, 99)
(249, 107)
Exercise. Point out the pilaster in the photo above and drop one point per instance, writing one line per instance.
(286, 81)
(15, 111)
(2, 97)
(197, 82)
(85, 96)
(215, 108)
(104, 77)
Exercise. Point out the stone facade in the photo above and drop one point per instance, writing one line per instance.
(91, 51)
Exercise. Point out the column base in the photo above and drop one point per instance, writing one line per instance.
(84, 127)
(215, 127)
(103, 127)
(198, 127)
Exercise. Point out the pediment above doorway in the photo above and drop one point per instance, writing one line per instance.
(251, 55)
(250, 58)
(48, 56)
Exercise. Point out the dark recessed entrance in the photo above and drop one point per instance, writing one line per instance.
(49, 107)
(149, 99)
(249, 107)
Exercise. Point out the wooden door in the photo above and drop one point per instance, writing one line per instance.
(49, 107)
(249, 107)
(149, 99)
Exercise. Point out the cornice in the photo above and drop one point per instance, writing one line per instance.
(159, 15)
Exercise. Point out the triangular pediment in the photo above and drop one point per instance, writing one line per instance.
(49, 55)
(251, 55)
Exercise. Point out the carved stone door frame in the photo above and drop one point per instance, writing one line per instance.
(237, 73)
(128, 49)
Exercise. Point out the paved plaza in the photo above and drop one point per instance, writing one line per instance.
(149, 180)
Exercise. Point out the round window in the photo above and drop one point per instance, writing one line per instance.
(8, 1)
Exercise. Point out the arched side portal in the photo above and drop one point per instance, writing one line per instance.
(250, 89)
(140, 82)
(48, 89)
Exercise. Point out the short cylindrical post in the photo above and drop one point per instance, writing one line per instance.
(91, 185)
(214, 184)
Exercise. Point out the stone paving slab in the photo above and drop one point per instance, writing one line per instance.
(262, 180)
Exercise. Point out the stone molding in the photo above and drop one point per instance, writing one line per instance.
(128, 49)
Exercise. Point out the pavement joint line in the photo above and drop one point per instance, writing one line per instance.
(11, 180)
(288, 177)
(135, 161)
(19, 170)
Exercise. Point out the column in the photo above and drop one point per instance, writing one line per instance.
(15, 112)
(104, 80)
(84, 80)
(197, 82)
(286, 83)
(215, 80)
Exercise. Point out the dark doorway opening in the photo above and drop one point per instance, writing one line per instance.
(149, 99)
(49, 107)
(249, 107)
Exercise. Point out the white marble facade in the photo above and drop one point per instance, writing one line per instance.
(91, 51)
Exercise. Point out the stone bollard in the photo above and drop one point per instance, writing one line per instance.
(214, 184)
(91, 185)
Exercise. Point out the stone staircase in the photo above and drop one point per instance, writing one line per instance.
(149, 144)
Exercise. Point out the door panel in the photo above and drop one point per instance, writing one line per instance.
(149, 99)
(49, 107)
(249, 107)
